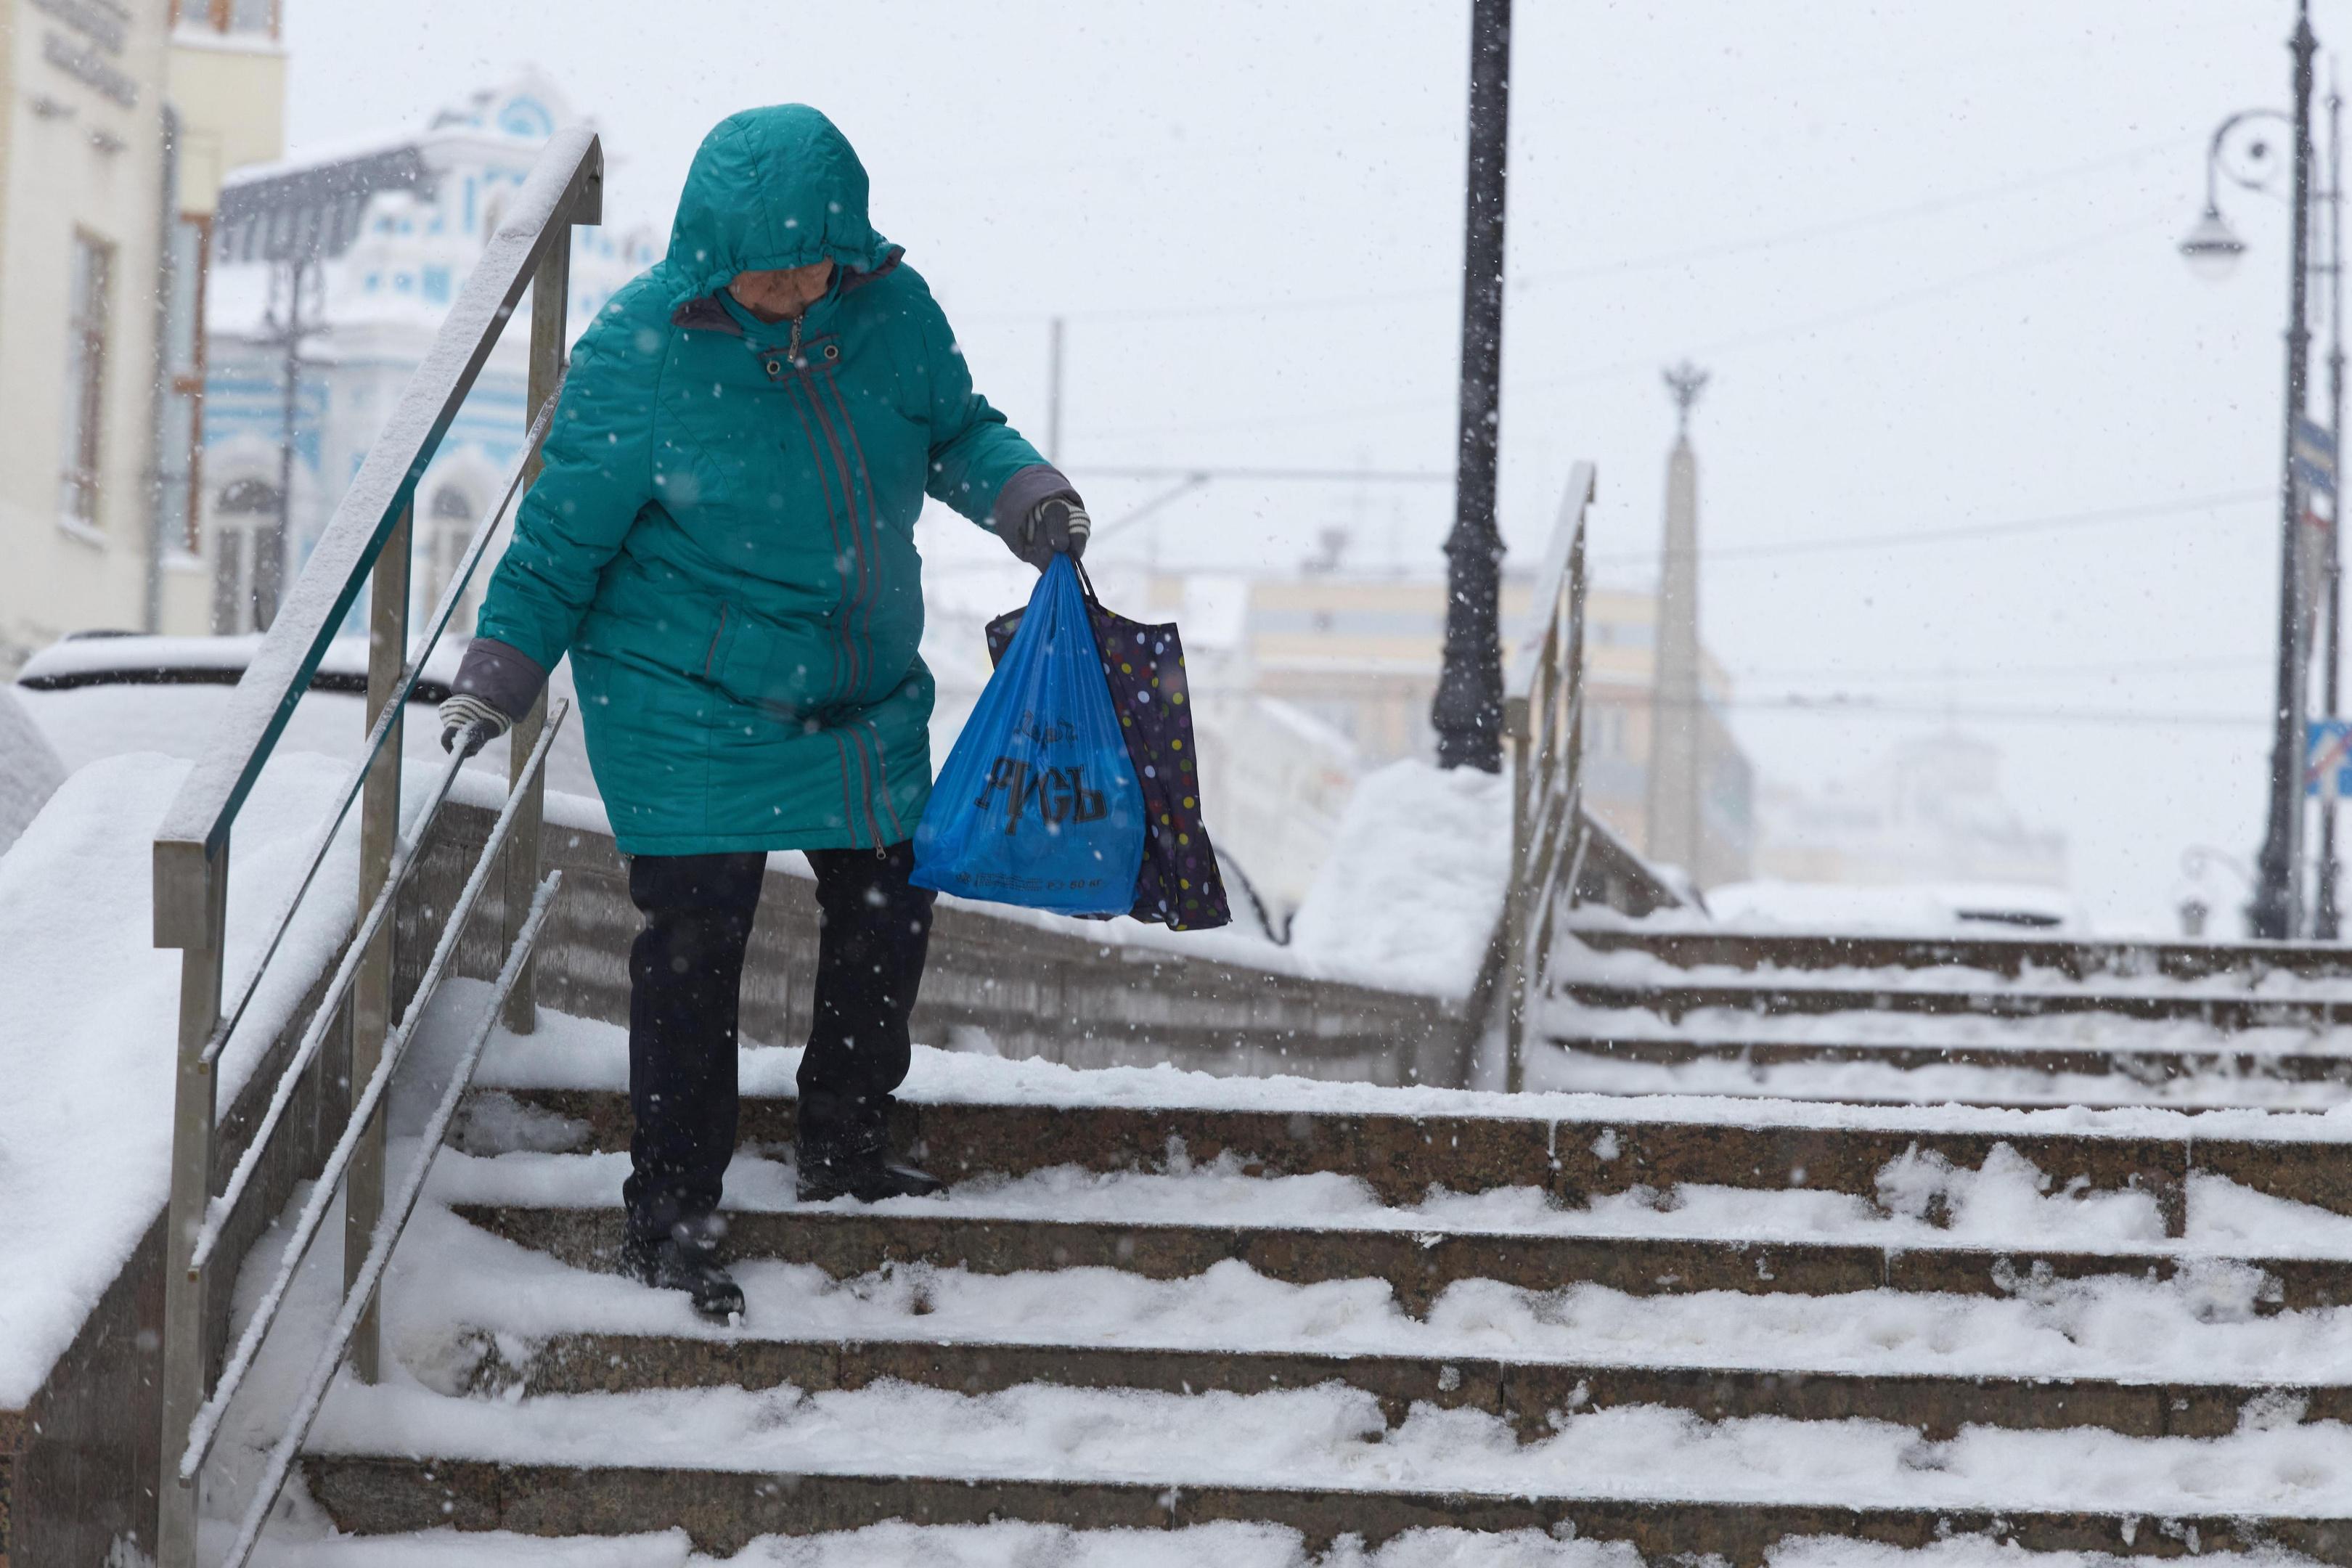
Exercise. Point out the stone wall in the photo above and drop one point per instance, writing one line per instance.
(78, 1465)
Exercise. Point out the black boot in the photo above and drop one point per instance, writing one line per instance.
(852, 1159)
(686, 1259)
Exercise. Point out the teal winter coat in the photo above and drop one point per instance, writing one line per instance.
(723, 535)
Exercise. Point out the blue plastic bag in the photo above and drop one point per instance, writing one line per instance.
(1038, 803)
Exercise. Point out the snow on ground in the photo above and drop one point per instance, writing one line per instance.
(455, 1283)
(1334, 1438)
(1938, 909)
(456, 1292)
(2002, 1206)
(450, 1278)
(1573, 962)
(1009, 1545)
(574, 1053)
(1865, 1082)
(29, 769)
(88, 1018)
(1890, 1027)
(88, 722)
(1411, 895)
(87, 656)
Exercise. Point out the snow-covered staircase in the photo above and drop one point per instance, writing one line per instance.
(1157, 1300)
(1990, 1020)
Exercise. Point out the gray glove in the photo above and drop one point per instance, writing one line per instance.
(467, 720)
(1058, 525)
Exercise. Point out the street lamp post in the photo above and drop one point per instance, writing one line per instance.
(1468, 711)
(2327, 920)
(2212, 249)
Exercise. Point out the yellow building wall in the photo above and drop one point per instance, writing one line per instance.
(78, 158)
(230, 90)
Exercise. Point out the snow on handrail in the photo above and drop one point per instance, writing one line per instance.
(356, 779)
(565, 187)
(1551, 582)
(324, 1019)
(388, 1230)
(206, 1426)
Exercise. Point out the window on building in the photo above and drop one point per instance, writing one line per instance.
(179, 437)
(244, 521)
(448, 529)
(228, 15)
(89, 291)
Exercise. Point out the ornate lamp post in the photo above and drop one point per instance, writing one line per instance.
(2212, 249)
(1468, 711)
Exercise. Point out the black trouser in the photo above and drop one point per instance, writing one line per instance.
(686, 973)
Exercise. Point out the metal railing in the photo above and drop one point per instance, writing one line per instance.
(367, 540)
(1543, 712)
(1560, 856)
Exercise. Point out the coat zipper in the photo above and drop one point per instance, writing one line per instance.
(717, 632)
(882, 780)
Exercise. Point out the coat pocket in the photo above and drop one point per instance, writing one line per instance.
(769, 665)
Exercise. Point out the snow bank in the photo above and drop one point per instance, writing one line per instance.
(29, 769)
(84, 657)
(1414, 884)
(87, 1011)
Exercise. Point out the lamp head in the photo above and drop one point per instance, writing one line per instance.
(2212, 248)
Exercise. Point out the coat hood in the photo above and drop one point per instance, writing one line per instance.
(770, 189)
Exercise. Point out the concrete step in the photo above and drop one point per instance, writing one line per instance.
(1870, 1085)
(1524, 1394)
(1418, 1264)
(2008, 957)
(2226, 1011)
(2141, 1064)
(724, 1509)
(1572, 1147)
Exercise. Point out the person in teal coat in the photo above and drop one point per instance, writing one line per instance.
(722, 540)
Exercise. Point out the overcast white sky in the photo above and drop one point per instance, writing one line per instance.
(1927, 251)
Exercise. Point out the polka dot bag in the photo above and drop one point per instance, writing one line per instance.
(1178, 884)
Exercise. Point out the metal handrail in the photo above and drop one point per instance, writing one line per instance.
(206, 1424)
(339, 989)
(565, 187)
(1545, 698)
(1543, 713)
(366, 542)
(385, 1236)
(452, 595)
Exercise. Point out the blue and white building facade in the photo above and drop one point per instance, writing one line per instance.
(370, 313)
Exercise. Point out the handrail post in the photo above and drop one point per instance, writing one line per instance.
(379, 840)
(550, 294)
(190, 914)
(1515, 896)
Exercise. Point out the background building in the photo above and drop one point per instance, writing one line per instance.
(364, 252)
(119, 122)
(1930, 813)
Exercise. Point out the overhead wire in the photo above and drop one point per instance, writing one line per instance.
(1954, 533)
(1645, 364)
(2007, 672)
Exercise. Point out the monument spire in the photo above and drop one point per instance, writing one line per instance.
(1677, 717)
